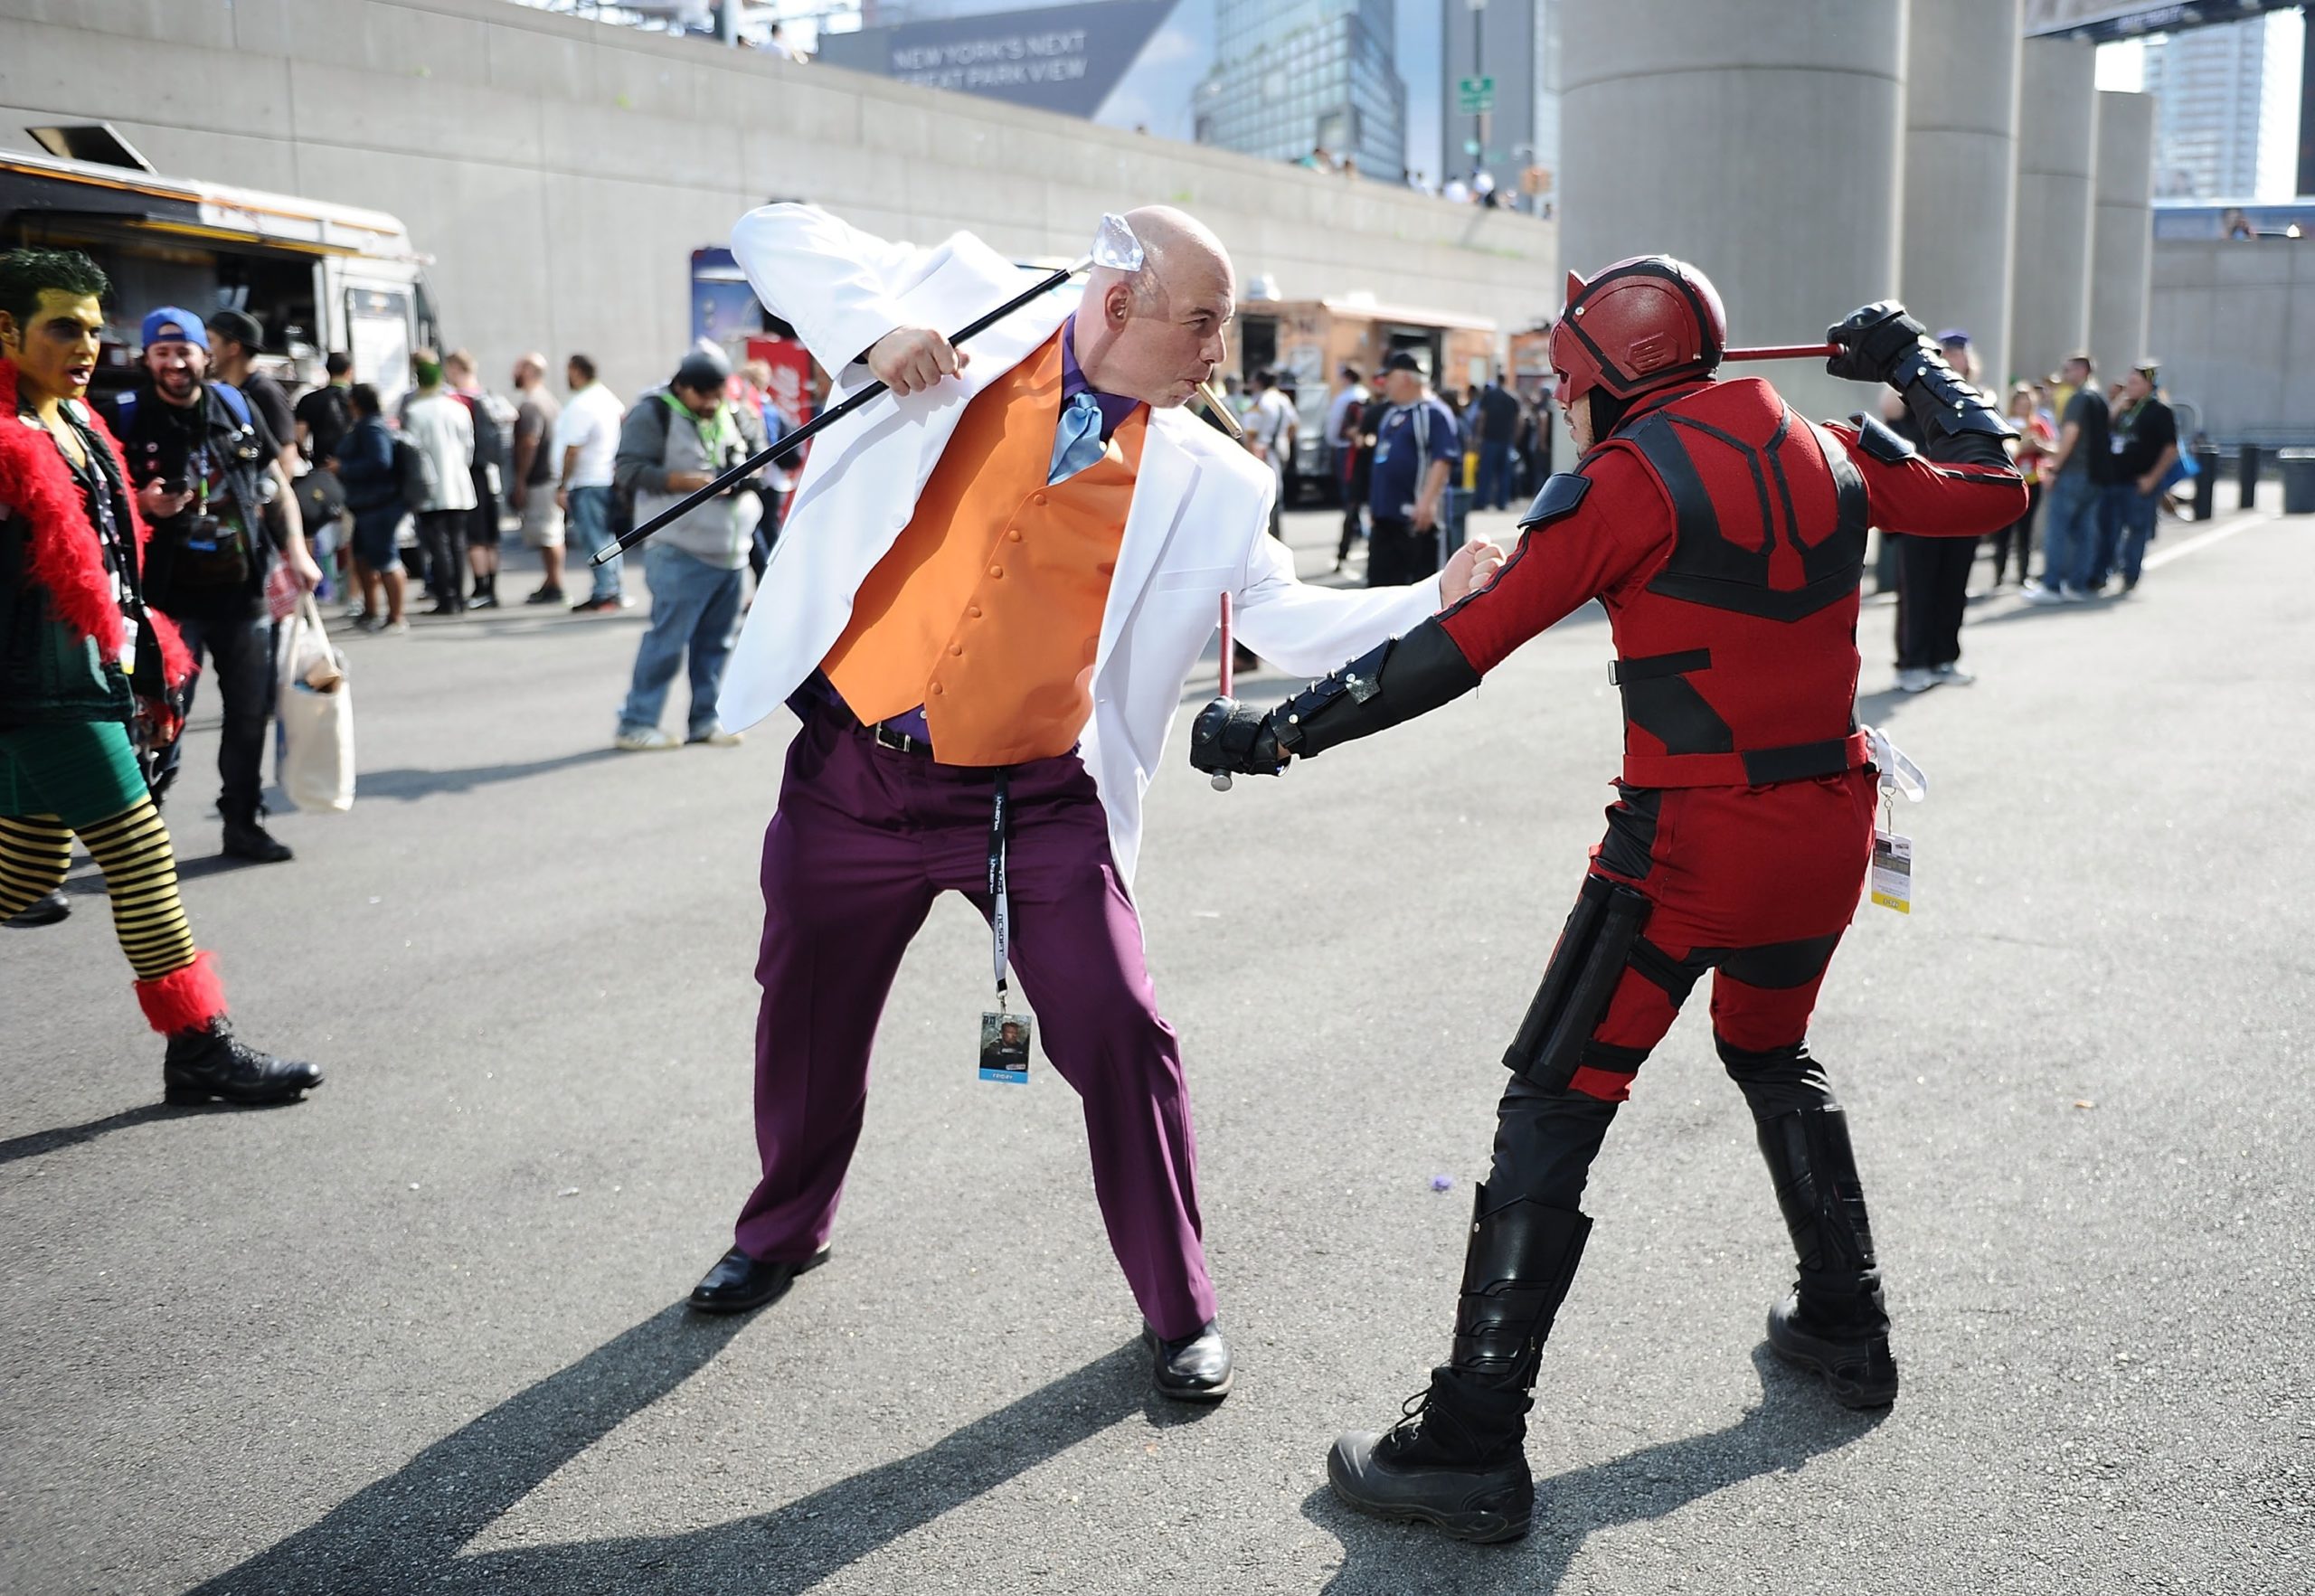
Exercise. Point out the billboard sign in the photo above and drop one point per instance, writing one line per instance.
(1058, 58)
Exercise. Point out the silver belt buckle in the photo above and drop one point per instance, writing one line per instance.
(898, 742)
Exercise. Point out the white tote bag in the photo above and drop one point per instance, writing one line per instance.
(314, 706)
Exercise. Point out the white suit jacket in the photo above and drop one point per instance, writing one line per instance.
(1197, 527)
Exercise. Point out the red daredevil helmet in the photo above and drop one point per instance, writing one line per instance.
(1641, 324)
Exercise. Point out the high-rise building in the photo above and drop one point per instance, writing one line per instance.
(1294, 75)
(1512, 46)
(2227, 109)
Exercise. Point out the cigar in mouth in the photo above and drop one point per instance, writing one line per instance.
(1219, 409)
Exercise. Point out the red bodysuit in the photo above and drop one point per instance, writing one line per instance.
(1726, 537)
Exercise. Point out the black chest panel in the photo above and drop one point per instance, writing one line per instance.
(1711, 568)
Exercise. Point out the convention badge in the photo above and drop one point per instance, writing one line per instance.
(1893, 870)
(1005, 1048)
(1004, 1035)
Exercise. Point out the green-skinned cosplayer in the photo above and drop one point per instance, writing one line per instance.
(88, 675)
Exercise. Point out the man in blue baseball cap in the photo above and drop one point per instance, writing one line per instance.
(169, 325)
(208, 478)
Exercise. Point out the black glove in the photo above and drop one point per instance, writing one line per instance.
(1874, 339)
(1228, 736)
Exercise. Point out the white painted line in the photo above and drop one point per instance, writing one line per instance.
(2180, 550)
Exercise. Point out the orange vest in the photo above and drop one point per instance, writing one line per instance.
(988, 608)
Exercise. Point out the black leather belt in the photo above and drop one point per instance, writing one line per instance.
(898, 741)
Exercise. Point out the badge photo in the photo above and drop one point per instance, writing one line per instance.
(1005, 1048)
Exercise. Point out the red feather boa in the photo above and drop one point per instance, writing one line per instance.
(63, 551)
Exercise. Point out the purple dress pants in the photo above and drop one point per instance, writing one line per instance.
(865, 839)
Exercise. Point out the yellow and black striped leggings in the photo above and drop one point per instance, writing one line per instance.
(132, 848)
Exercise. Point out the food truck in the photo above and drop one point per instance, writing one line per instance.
(319, 276)
(1309, 340)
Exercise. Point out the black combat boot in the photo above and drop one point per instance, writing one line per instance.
(246, 837)
(1458, 1458)
(212, 1063)
(1832, 1322)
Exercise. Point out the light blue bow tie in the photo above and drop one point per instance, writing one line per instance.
(1077, 441)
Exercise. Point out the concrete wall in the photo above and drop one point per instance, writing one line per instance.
(2233, 325)
(1962, 78)
(2121, 249)
(1760, 139)
(561, 171)
(2056, 203)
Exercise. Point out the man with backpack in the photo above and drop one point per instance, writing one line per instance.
(209, 481)
(674, 442)
(325, 415)
(372, 463)
(321, 418)
(488, 470)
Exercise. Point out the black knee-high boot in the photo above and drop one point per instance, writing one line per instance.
(1833, 1321)
(1457, 1458)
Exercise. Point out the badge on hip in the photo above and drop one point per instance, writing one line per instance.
(1893, 870)
(1005, 1048)
(1003, 1035)
(1892, 875)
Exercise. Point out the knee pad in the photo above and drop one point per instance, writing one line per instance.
(1775, 1079)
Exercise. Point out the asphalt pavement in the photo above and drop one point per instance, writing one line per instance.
(424, 1331)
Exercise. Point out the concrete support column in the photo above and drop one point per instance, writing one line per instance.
(1760, 139)
(2058, 126)
(1961, 61)
(2121, 253)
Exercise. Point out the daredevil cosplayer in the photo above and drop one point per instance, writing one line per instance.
(1726, 536)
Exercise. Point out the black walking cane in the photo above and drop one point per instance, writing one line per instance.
(1113, 246)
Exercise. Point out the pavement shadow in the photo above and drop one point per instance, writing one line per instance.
(404, 1532)
(796, 1546)
(1794, 1421)
(411, 783)
(65, 1136)
(2097, 604)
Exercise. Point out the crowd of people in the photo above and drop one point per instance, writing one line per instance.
(1487, 448)
(2098, 465)
(255, 496)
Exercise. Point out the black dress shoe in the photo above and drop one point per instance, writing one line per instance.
(738, 1282)
(1859, 1368)
(213, 1063)
(248, 839)
(1404, 1475)
(45, 910)
(1193, 1369)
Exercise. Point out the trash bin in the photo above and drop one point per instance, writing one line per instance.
(2205, 481)
(2298, 481)
(2247, 463)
